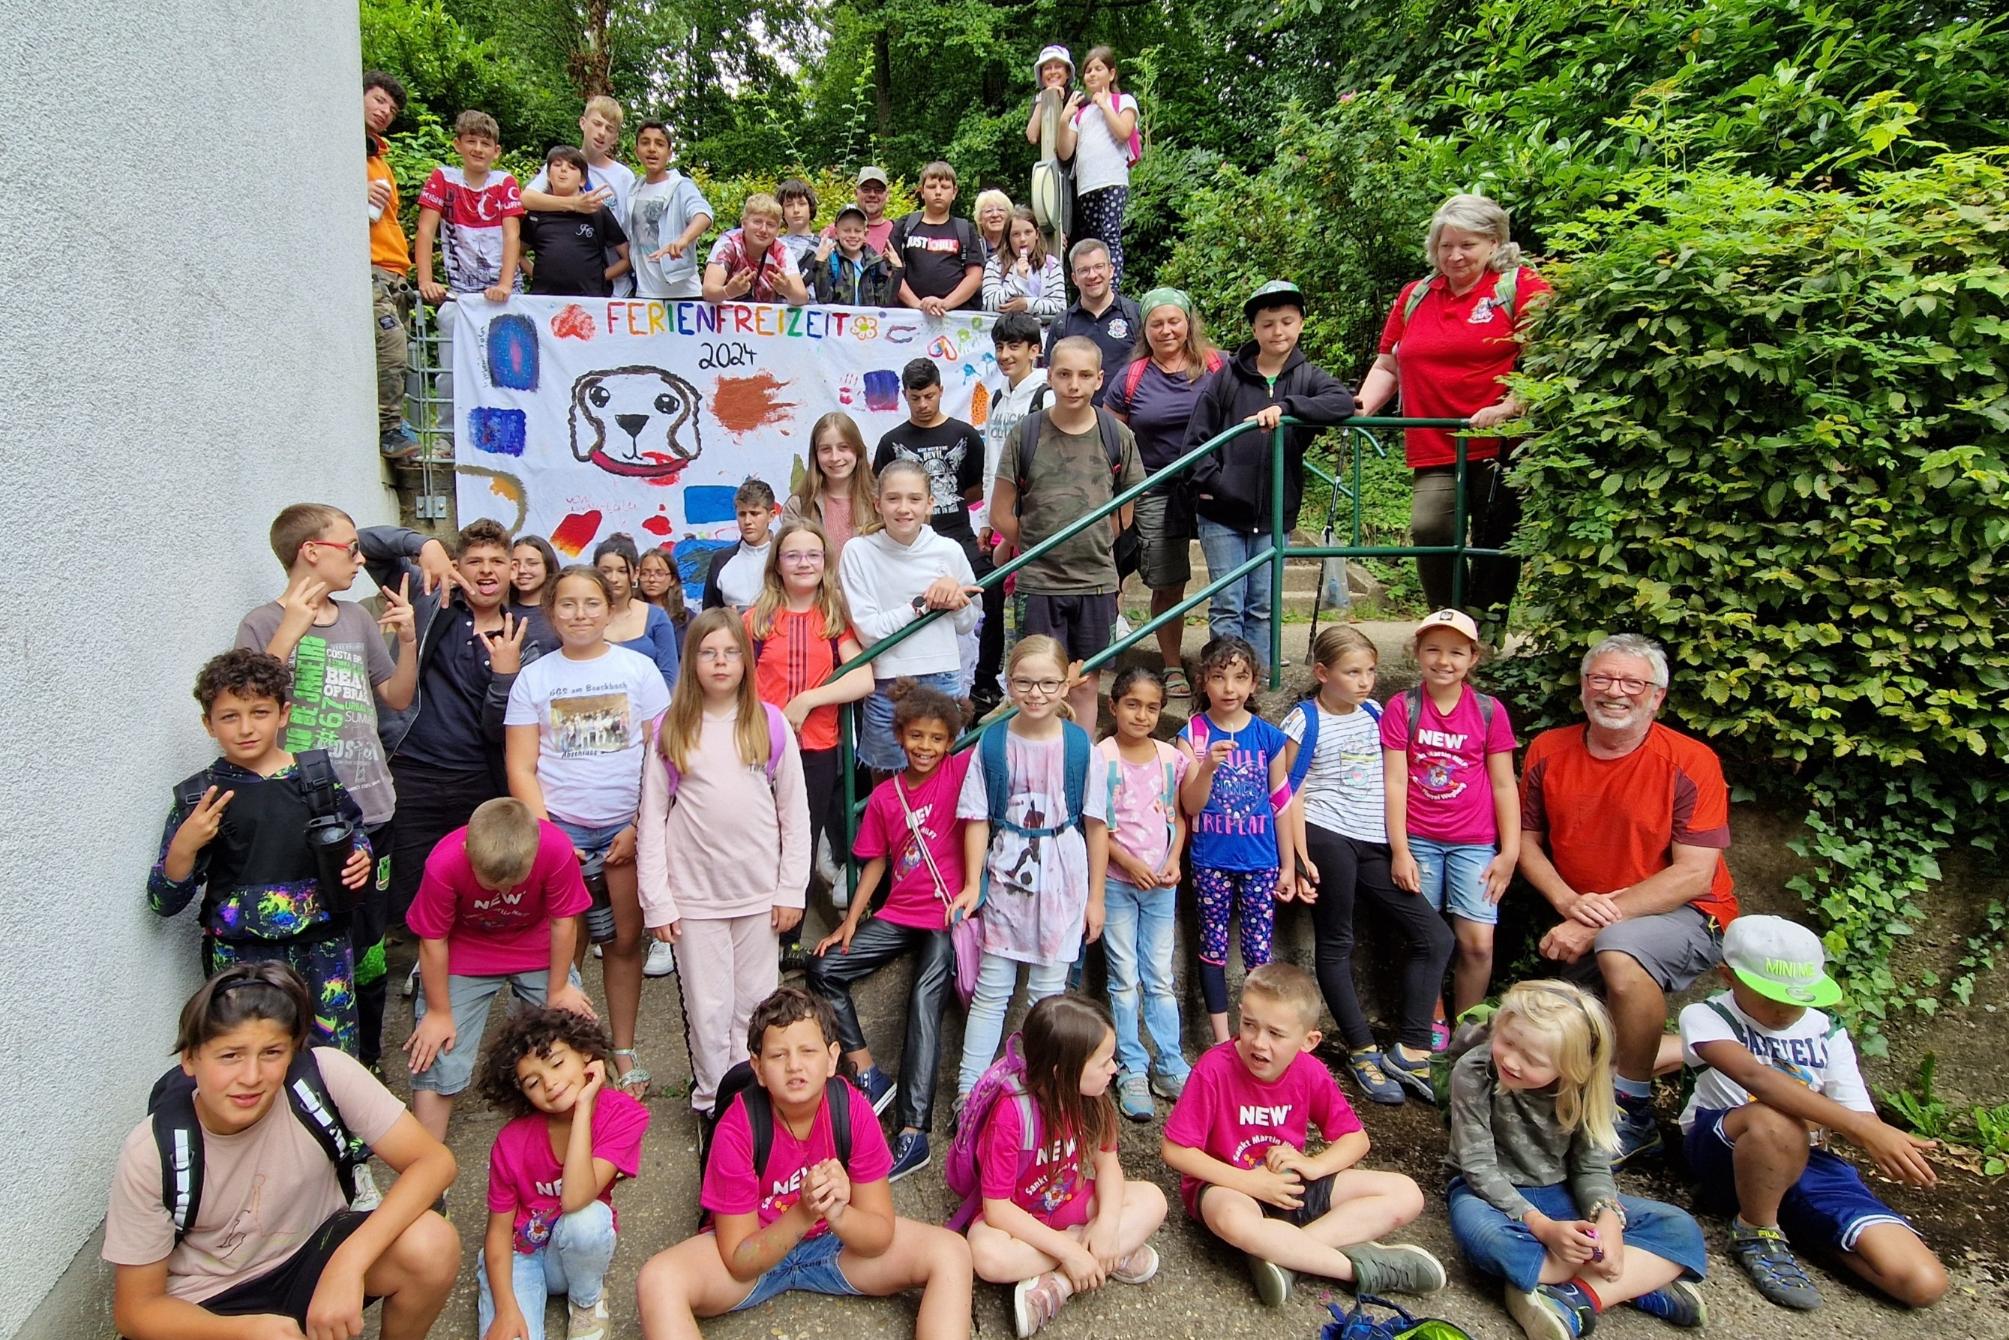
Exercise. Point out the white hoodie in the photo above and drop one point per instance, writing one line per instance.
(881, 577)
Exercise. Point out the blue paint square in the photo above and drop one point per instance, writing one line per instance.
(512, 352)
(706, 503)
(500, 432)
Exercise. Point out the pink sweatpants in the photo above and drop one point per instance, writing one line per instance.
(724, 969)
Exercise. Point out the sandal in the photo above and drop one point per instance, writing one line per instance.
(633, 1081)
(1176, 683)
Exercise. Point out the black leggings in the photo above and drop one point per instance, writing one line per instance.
(1344, 867)
(822, 778)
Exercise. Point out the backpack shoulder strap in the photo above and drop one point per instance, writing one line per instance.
(837, 1097)
(1029, 429)
(1737, 1029)
(1198, 728)
(1413, 299)
(188, 791)
(1306, 747)
(1372, 708)
(997, 782)
(177, 1135)
(1214, 360)
(1507, 292)
(317, 774)
(777, 739)
(1074, 740)
(1132, 377)
(314, 1108)
(760, 1121)
(1112, 444)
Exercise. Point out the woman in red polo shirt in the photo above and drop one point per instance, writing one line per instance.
(1448, 346)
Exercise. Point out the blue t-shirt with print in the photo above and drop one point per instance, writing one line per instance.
(1237, 830)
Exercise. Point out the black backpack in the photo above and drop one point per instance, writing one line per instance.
(177, 1134)
(316, 772)
(739, 1083)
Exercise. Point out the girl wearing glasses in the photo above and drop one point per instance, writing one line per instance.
(726, 797)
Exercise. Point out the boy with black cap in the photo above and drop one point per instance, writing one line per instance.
(845, 270)
(1267, 379)
(1775, 1077)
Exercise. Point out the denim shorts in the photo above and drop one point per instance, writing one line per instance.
(877, 749)
(1454, 877)
(595, 842)
(809, 1267)
(1494, 1243)
(1829, 1207)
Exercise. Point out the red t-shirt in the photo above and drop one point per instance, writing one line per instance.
(491, 934)
(730, 1186)
(911, 900)
(1055, 1189)
(1452, 355)
(1609, 823)
(1227, 1113)
(524, 1174)
(796, 656)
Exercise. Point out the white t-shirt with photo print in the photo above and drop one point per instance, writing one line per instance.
(592, 720)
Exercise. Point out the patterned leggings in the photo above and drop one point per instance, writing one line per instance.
(326, 965)
(1099, 214)
(1250, 894)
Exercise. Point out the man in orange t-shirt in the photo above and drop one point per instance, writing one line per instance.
(1625, 823)
(390, 265)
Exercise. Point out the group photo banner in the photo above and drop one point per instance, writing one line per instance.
(576, 418)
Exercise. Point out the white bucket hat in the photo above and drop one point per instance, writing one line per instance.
(1052, 52)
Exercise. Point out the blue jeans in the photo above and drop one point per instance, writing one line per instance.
(1137, 938)
(985, 1030)
(1239, 609)
(1495, 1244)
(1453, 876)
(572, 1263)
(877, 749)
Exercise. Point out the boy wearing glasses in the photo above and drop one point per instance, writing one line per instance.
(1624, 825)
(341, 671)
(1059, 464)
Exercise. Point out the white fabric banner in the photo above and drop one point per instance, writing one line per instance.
(577, 418)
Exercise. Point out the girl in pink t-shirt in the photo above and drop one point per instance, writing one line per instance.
(1453, 810)
(1056, 1223)
(910, 828)
(551, 1223)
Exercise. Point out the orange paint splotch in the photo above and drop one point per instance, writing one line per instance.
(746, 404)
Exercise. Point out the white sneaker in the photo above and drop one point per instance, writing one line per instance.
(586, 1323)
(367, 1197)
(662, 960)
(1120, 630)
(826, 864)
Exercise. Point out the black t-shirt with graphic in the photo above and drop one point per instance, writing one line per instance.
(937, 254)
(571, 251)
(952, 452)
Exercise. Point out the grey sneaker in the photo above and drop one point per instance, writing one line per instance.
(1167, 1086)
(1770, 1263)
(1133, 1097)
(586, 1323)
(1394, 1268)
(1272, 1281)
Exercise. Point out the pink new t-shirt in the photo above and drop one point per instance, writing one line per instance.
(490, 934)
(912, 900)
(526, 1176)
(1450, 798)
(1227, 1113)
(1055, 1189)
(1140, 815)
(730, 1186)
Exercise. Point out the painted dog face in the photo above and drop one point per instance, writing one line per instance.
(632, 421)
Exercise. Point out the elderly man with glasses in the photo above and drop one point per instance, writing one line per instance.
(1625, 823)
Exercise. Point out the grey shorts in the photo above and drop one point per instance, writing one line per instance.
(1164, 555)
(469, 999)
(1674, 947)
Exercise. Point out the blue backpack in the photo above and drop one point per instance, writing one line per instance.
(1361, 1324)
(997, 785)
(1308, 746)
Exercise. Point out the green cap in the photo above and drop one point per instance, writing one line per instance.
(1276, 293)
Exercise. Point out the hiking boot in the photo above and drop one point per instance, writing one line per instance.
(661, 960)
(1638, 1135)
(1133, 1097)
(1551, 1312)
(1399, 1267)
(1137, 1267)
(1770, 1263)
(794, 959)
(1411, 1075)
(398, 444)
(1365, 1066)
(910, 1154)
(1035, 1302)
(1677, 1304)
(1272, 1281)
(880, 1087)
(1169, 1086)
(588, 1322)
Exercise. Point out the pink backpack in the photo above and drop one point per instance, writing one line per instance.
(1004, 1080)
(777, 743)
(1134, 148)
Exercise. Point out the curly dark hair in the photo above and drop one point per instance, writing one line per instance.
(914, 701)
(243, 673)
(1222, 653)
(534, 1033)
(791, 1005)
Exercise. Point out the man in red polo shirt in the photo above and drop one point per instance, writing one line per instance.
(1625, 823)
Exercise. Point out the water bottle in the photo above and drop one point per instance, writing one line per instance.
(600, 913)
(332, 839)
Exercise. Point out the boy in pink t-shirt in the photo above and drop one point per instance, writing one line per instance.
(1453, 809)
(1237, 1138)
(911, 829)
(806, 1219)
(498, 906)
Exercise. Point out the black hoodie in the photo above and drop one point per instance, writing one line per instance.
(1232, 486)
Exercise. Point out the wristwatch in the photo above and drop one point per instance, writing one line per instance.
(920, 604)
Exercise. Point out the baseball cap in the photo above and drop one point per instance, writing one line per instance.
(1453, 619)
(869, 173)
(1781, 960)
(852, 208)
(1276, 293)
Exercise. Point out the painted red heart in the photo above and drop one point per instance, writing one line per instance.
(572, 323)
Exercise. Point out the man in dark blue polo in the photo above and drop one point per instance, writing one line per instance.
(1100, 314)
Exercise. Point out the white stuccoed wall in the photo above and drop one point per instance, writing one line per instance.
(184, 282)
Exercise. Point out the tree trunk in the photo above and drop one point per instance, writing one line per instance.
(591, 62)
(882, 93)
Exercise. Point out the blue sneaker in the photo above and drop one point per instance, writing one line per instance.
(1638, 1135)
(1411, 1075)
(910, 1154)
(880, 1087)
(1677, 1304)
(1552, 1312)
(399, 443)
(1769, 1261)
(1366, 1067)
(1133, 1097)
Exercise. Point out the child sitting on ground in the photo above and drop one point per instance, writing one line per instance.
(817, 1214)
(551, 1174)
(1533, 1128)
(239, 831)
(1237, 1138)
(498, 909)
(1776, 1076)
(1050, 1226)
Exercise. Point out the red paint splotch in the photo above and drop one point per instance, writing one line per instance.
(572, 323)
(575, 532)
(657, 525)
(745, 404)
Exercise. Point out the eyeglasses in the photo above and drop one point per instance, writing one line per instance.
(1045, 688)
(808, 557)
(354, 548)
(720, 655)
(1625, 684)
